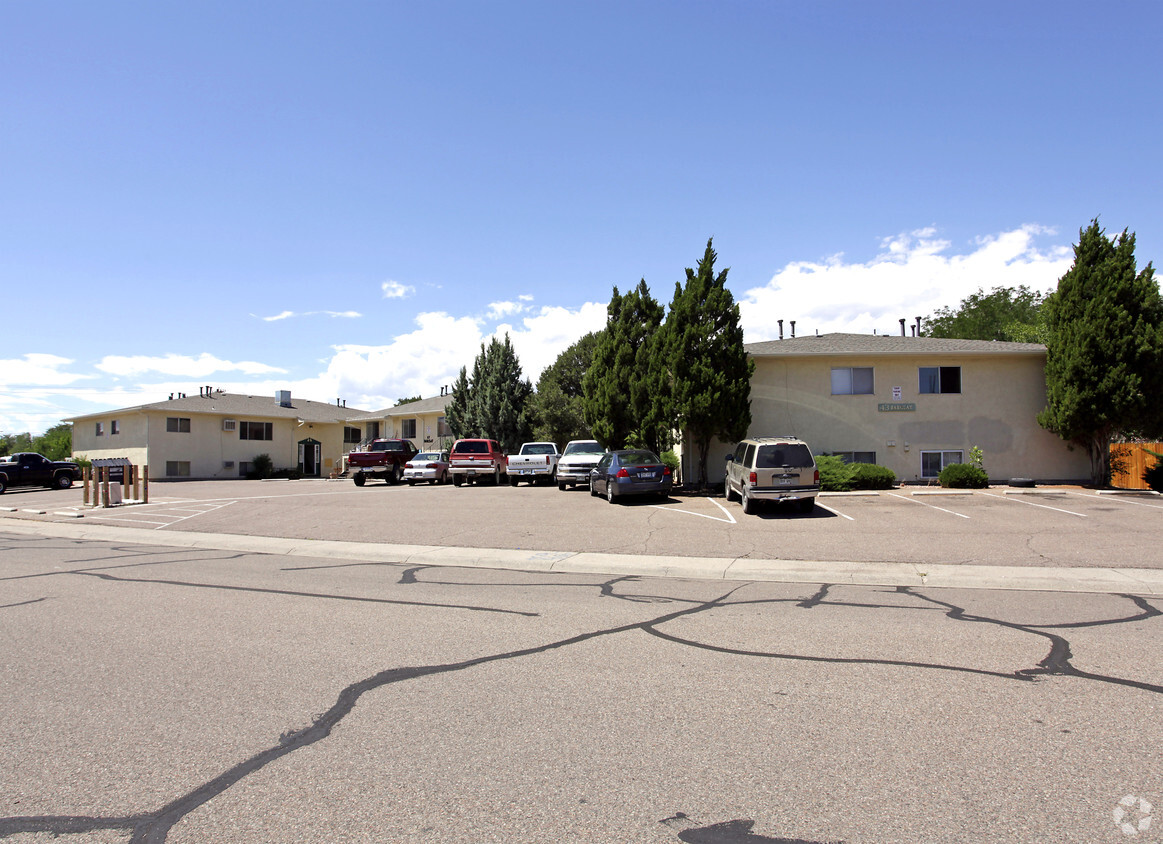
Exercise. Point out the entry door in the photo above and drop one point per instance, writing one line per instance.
(309, 458)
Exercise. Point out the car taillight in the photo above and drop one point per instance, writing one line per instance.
(408, 466)
(817, 478)
(622, 473)
(753, 478)
(665, 471)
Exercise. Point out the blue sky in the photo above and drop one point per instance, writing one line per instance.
(344, 199)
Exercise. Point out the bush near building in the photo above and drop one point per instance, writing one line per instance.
(963, 476)
(871, 476)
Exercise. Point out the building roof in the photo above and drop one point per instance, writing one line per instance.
(887, 344)
(436, 404)
(219, 403)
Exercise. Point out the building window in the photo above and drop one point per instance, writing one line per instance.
(177, 468)
(932, 462)
(852, 380)
(442, 429)
(408, 429)
(114, 427)
(177, 425)
(856, 456)
(100, 429)
(243, 468)
(350, 434)
(940, 379)
(255, 430)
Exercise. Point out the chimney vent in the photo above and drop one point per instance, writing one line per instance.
(793, 329)
(902, 326)
(780, 321)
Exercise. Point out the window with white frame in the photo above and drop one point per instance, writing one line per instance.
(940, 379)
(351, 434)
(852, 380)
(115, 427)
(932, 462)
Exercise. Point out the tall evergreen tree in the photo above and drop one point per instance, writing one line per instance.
(456, 413)
(1104, 362)
(710, 373)
(614, 397)
(499, 396)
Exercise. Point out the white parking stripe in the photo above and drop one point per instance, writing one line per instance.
(730, 519)
(927, 504)
(1032, 504)
(1121, 500)
(834, 512)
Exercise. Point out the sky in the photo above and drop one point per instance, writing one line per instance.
(346, 199)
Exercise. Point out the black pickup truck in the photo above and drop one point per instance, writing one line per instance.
(29, 469)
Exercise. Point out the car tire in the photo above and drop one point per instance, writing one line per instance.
(728, 492)
(457, 480)
(610, 496)
(3, 485)
(747, 501)
(63, 481)
(561, 485)
(514, 480)
(411, 482)
(396, 475)
(360, 478)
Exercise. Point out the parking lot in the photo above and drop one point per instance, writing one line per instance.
(998, 526)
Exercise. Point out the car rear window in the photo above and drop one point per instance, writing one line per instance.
(539, 448)
(777, 456)
(583, 448)
(637, 458)
(473, 447)
(388, 446)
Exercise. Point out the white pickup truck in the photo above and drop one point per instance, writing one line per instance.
(535, 462)
(576, 461)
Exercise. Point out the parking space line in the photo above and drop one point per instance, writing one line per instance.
(730, 519)
(1121, 500)
(927, 504)
(832, 511)
(1032, 504)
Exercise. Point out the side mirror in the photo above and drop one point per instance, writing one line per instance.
(730, 458)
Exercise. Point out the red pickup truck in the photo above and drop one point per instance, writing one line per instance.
(384, 460)
(477, 459)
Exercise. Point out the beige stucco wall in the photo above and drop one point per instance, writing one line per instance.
(426, 437)
(207, 447)
(995, 410)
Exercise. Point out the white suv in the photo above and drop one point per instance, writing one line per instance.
(773, 469)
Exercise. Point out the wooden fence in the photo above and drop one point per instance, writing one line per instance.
(1129, 461)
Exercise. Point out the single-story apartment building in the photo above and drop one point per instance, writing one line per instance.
(913, 404)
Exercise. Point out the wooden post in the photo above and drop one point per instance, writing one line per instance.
(136, 482)
(85, 486)
(126, 480)
(104, 486)
(145, 483)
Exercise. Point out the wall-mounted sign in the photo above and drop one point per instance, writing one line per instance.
(896, 407)
(896, 393)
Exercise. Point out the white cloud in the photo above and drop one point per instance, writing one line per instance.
(344, 314)
(289, 314)
(37, 369)
(277, 317)
(190, 367)
(498, 310)
(395, 290)
(912, 276)
(539, 339)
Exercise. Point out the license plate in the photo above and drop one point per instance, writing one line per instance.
(785, 481)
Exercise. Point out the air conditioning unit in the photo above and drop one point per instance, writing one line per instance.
(229, 425)
(228, 464)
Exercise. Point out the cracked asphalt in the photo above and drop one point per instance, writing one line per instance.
(154, 693)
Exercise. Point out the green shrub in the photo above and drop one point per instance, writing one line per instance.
(1154, 475)
(871, 476)
(289, 474)
(835, 474)
(261, 467)
(963, 476)
(671, 460)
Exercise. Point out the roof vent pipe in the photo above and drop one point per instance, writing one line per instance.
(902, 326)
(780, 321)
(793, 329)
(918, 326)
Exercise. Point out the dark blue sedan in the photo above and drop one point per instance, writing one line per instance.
(631, 471)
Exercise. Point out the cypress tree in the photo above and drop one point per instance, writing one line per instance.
(709, 371)
(1104, 348)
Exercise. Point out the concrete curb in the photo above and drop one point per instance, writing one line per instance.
(1024, 578)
